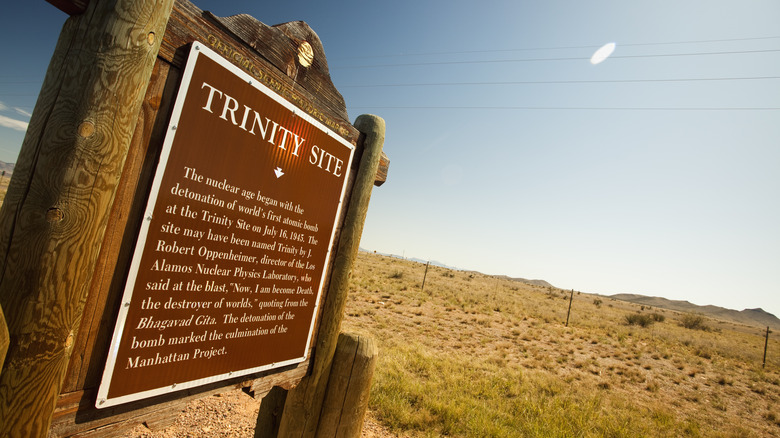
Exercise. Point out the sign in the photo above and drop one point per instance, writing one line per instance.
(230, 261)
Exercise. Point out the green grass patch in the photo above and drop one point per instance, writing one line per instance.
(418, 389)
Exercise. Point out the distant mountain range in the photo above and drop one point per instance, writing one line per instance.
(414, 259)
(434, 263)
(754, 317)
(525, 280)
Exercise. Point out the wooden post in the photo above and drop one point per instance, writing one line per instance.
(54, 216)
(422, 289)
(571, 298)
(349, 385)
(270, 415)
(3, 338)
(304, 402)
(766, 345)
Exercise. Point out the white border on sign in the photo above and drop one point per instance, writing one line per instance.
(197, 49)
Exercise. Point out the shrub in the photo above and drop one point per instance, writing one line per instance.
(693, 322)
(597, 302)
(657, 317)
(639, 319)
(725, 380)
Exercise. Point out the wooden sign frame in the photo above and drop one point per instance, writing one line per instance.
(90, 156)
(311, 166)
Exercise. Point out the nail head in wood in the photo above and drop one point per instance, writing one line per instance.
(305, 54)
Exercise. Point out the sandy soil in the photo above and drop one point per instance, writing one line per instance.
(232, 414)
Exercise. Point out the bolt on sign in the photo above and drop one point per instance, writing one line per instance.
(230, 261)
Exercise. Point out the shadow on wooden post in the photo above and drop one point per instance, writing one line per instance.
(270, 415)
(349, 385)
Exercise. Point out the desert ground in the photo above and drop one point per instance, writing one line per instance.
(474, 355)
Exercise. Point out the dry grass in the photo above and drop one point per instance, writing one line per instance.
(474, 355)
(4, 181)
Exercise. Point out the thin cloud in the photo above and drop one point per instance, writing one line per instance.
(3, 106)
(22, 112)
(17, 125)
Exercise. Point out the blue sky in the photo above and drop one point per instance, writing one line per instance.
(654, 172)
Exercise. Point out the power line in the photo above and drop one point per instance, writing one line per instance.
(723, 40)
(527, 49)
(577, 58)
(562, 108)
(735, 52)
(604, 81)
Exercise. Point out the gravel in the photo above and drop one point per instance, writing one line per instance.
(232, 414)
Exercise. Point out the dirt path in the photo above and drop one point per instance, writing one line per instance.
(231, 414)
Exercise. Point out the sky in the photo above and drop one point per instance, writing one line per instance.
(655, 172)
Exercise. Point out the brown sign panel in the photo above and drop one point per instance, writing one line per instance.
(230, 261)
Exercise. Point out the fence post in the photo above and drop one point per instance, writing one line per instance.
(571, 298)
(54, 216)
(422, 289)
(766, 345)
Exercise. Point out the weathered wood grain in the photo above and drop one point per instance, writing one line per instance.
(269, 65)
(279, 45)
(382, 170)
(70, 7)
(349, 385)
(304, 402)
(94, 336)
(4, 340)
(52, 228)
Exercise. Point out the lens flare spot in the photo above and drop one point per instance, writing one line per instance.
(602, 53)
